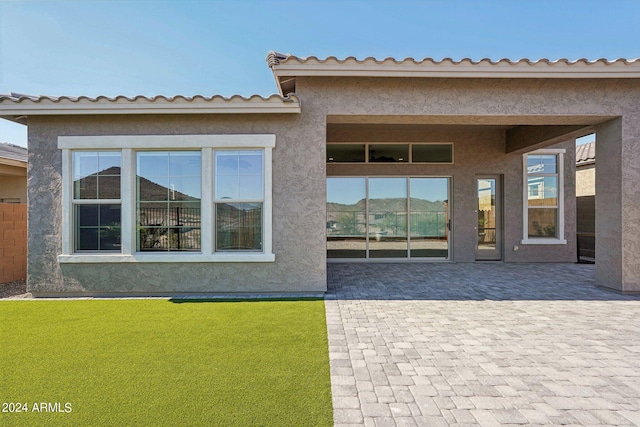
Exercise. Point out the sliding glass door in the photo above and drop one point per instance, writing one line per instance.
(346, 218)
(388, 218)
(429, 217)
(387, 224)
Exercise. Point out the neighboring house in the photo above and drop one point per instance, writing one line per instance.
(586, 201)
(13, 173)
(13, 212)
(354, 160)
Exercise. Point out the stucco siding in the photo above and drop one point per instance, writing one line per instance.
(13, 189)
(298, 211)
(586, 180)
(490, 106)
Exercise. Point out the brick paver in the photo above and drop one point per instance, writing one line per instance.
(481, 344)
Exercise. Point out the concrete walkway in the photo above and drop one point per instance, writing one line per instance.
(481, 344)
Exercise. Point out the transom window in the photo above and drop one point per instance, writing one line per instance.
(146, 199)
(390, 153)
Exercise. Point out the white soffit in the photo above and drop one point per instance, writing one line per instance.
(15, 105)
(284, 65)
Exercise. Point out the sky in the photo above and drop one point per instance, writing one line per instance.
(190, 47)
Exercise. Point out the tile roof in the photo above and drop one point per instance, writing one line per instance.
(13, 152)
(586, 153)
(275, 58)
(15, 106)
(22, 98)
(287, 67)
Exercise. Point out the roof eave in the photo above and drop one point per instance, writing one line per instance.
(7, 161)
(494, 71)
(18, 110)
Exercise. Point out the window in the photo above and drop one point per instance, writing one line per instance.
(168, 200)
(96, 201)
(239, 197)
(543, 197)
(187, 198)
(390, 153)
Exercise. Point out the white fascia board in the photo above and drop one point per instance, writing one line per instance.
(461, 71)
(12, 162)
(166, 141)
(36, 109)
(168, 257)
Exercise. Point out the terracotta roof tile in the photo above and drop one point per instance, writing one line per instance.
(13, 152)
(586, 153)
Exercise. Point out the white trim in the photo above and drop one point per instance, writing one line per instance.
(165, 257)
(542, 241)
(128, 197)
(173, 142)
(67, 209)
(370, 67)
(206, 201)
(526, 240)
(267, 209)
(127, 145)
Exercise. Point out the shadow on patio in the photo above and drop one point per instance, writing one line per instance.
(467, 281)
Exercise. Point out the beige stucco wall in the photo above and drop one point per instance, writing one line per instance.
(13, 187)
(298, 212)
(300, 176)
(586, 180)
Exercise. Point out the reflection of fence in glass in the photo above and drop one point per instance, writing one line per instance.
(174, 228)
(391, 223)
(239, 226)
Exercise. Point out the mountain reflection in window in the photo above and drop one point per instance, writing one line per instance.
(168, 191)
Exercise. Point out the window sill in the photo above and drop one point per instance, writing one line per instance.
(164, 258)
(543, 241)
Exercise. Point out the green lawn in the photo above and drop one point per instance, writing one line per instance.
(169, 363)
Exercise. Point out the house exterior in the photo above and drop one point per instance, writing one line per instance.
(13, 173)
(353, 161)
(586, 200)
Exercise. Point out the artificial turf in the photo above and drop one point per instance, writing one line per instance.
(160, 362)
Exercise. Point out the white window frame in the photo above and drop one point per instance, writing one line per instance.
(78, 202)
(560, 240)
(128, 144)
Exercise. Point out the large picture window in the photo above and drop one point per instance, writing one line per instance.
(168, 200)
(96, 201)
(187, 198)
(543, 197)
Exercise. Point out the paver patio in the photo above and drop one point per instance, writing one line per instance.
(481, 344)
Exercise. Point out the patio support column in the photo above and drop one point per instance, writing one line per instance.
(618, 204)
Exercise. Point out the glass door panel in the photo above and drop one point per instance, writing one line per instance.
(489, 222)
(346, 218)
(387, 218)
(429, 217)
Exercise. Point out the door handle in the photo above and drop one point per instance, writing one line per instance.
(449, 225)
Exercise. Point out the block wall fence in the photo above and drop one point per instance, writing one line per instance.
(13, 242)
